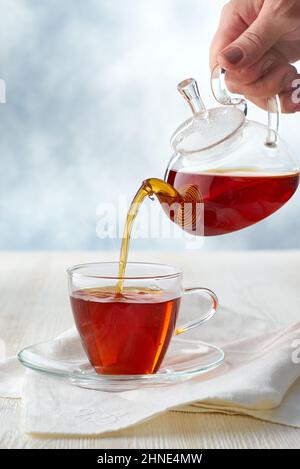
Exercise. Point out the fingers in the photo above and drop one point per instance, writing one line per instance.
(277, 80)
(290, 49)
(252, 44)
(231, 26)
(287, 102)
(281, 79)
(248, 75)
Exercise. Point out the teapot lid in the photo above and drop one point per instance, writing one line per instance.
(207, 127)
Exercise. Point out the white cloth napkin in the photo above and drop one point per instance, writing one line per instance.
(11, 377)
(260, 377)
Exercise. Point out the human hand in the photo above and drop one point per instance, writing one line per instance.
(256, 42)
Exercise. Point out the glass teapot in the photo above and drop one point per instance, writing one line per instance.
(231, 172)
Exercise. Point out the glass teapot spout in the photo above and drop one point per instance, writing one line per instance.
(164, 192)
(183, 207)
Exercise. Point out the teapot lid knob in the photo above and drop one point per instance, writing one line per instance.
(207, 127)
(189, 90)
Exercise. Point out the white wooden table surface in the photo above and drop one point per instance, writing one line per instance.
(34, 307)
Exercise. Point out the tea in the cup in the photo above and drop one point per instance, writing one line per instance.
(128, 332)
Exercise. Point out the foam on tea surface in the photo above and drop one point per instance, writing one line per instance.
(128, 294)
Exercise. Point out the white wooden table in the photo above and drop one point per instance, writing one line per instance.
(34, 307)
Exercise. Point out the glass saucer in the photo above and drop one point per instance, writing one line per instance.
(185, 359)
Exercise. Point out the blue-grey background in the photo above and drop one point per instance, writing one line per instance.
(91, 104)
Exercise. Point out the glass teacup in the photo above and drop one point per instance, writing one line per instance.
(129, 332)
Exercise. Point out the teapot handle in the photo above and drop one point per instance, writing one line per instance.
(222, 95)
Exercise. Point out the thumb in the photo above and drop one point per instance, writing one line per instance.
(251, 45)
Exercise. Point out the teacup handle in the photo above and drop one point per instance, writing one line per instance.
(208, 315)
(221, 94)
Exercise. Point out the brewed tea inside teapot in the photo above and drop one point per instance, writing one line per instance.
(239, 169)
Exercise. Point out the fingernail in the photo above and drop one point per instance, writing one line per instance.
(233, 55)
